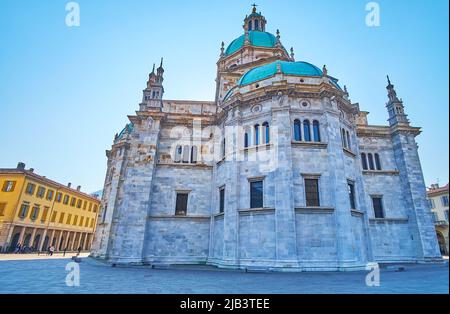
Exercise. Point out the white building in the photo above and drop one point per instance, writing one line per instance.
(280, 171)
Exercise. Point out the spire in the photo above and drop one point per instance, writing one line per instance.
(395, 106)
(222, 49)
(153, 71)
(153, 94)
(160, 71)
(278, 44)
(292, 54)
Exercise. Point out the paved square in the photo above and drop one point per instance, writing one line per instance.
(48, 276)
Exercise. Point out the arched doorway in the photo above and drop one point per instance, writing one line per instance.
(14, 241)
(441, 241)
(61, 244)
(45, 245)
(27, 241)
(37, 239)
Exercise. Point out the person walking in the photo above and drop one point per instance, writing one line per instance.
(52, 249)
(79, 251)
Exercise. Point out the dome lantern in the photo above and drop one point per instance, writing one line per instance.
(255, 21)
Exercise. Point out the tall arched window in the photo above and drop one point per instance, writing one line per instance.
(186, 154)
(256, 24)
(246, 143)
(223, 147)
(316, 131)
(349, 146)
(364, 161)
(307, 130)
(178, 152)
(250, 25)
(257, 134)
(194, 154)
(344, 139)
(266, 130)
(297, 130)
(371, 164)
(377, 162)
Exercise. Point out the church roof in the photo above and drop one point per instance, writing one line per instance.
(291, 68)
(257, 38)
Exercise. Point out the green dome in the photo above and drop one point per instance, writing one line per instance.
(258, 39)
(290, 68)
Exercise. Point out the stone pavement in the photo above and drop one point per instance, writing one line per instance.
(48, 276)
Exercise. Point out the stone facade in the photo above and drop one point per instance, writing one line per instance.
(286, 128)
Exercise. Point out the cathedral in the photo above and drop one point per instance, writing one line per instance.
(280, 172)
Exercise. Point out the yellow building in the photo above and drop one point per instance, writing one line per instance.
(38, 213)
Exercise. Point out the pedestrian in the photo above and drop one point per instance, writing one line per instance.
(52, 249)
(79, 251)
(64, 252)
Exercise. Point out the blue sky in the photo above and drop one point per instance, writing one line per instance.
(65, 92)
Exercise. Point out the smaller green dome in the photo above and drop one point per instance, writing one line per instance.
(291, 68)
(129, 128)
(257, 38)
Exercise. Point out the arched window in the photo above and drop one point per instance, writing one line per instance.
(257, 134)
(297, 130)
(250, 25)
(246, 143)
(377, 162)
(178, 152)
(344, 139)
(186, 154)
(256, 25)
(223, 147)
(349, 146)
(307, 130)
(266, 129)
(364, 161)
(194, 154)
(371, 165)
(316, 131)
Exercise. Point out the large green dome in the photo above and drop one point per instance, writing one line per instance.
(290, 68)
(257, 38)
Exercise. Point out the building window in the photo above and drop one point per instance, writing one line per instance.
(246, 143)
(364, 161)
(181, 204)
(256, 24)
(34, 212)
(45, 213)
(8, 186)
(2, 209)
(224, 147)
(351, 195)
(178, 153)
(446, 214)
(297, 130)
(73, 201)
(90, 206)
(316, 131)
(257, 134)
(186, 154)
(194, 154)
(61, 218)
(95, 208)
(40, 192)
(435, 216)
(222, 200)
(23, 211)
(81, 221)
(50, 195)
(444, 200)
(344, 138)
(349, 146)
(266, 130)
(66, 199)
(69, 218)
(378, 206)
(250, 25)
(53, 219)
(75, 220)
(79, 203)
(84, 205)
(87, 223)
(371, 164)
(312, 192)
(306, 131)
(377, 162)
(30, 188)
(256, 194)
